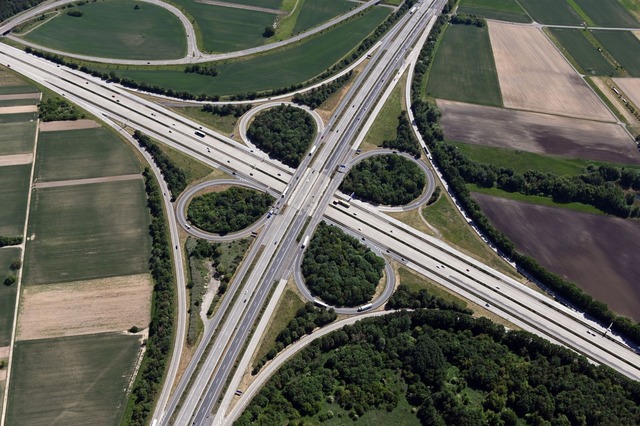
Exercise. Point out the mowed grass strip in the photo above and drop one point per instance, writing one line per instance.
(17, 137)
(7, 293)
(624, 46)
(79, 380)
(464, 69)
(504, 10)
(113, 29)
(557, 12)
(315, 12)
(272, 70)
(226, 29)
(14, 190)
(607, 13)
(81, 154)
(87, 231)
(585, 54)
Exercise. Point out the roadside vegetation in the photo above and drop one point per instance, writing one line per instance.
(450, 368)
(340, 270)
(173, 175)
(405, 140)
(58, 109)
(227, 211)
(8, 8)
(405, 297)
(284, 132)
(316, 97)
(390, 180)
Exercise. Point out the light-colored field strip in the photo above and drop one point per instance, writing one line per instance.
(4, 351)
(614, 99)
(84, 307)
(16, 159)
(242, 6)
(55, 126)
(631, 88)
(71, 182)
(19, 96)
(636, 33)
(535, 76)
(18, 109)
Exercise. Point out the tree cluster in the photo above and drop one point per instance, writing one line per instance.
(58, 109)
(448, 7)
(160, 341)
(284, 132)
(74, 13)
(340, 270)
(268, 32)
(405, 140)
(315, 97)
(173, 175)
(306, 320)
(201, 69)
(228, 211)
(10, 241)
(404, 297)
(8, 8)
(237, 110)
(385, 179)
(452, 369)
(427, 116)
(462, 19)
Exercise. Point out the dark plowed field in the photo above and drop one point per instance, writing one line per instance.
(597, 252)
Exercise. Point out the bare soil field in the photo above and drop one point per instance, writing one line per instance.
(4, 352)
(603, 83)
(535, 76)
(597, 252)
(537, 133)
(88, 181)
(631, 88)
(18, 109)
(55, 126)
(85, 307)
(636, 33)
(15, 160)
(19, 96)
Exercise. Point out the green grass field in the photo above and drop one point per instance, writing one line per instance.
(223, 124)
(87, 231)
(14, 189)
(607, 13)
(113, 29)
(583, 52)
(80, 154)
(7, 293)
(21, 117)
(633, 6)
(15, 88)
(417, 282)
(463, 69)
(226, 29)
(557, 12)
(624, 46)
(77, 380)
(386, 123)
(17, 138)
(504, 10)
(272, 70)
(271, 4)
(315, 12)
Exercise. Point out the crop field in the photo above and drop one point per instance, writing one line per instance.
(503, 10)
(557, 12)
(315, 12)
(76, 380)
(13, 89)
(583, 52)
(7, 293)
(631, 88)
(14, 189)
(148, 33)
(464, 69)
(271, 4)
(21, 117)
(633, 6)
(226, 29)
(537, 133)
(79, 154)
(273, 70)
(17, 137)
(624, 46)
(535, 76)
(88, 231)
(597, 252)
(607, 13)
(17, 102)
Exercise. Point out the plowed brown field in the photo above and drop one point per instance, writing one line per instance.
(631, 88)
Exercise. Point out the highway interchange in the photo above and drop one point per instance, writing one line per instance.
(305, 197)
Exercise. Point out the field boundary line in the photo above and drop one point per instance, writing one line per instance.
(87, 181)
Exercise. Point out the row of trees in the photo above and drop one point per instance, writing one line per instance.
(160, 341)
(385, 179)
(306, 320)
(201, 69)
(237, 110)
(427, 116)
(58, 109)
(405, 140)
(462, 19)
(452, 369)
(314, 98)
(404, 297)
(284, 132)
(10, 241)
(228, 211)
(174, 176)
(340, 270)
